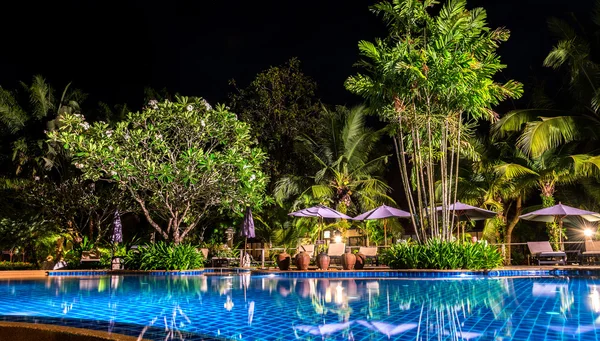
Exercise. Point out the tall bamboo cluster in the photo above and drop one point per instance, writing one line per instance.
(432, 79)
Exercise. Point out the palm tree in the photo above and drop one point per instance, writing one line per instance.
(349, 166)
(549, 126)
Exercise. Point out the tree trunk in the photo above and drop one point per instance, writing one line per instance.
(509, 229)
(147, 215)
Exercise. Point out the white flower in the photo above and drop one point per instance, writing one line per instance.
(126, 137)
(37, 178)
(85, 125)
(202, 123)
(113, 173)
(206, 104)
(79, 165)
(252, 177)
(190, 107)
(110, 148)
(159, 137)
(153, 103)
(109, 133)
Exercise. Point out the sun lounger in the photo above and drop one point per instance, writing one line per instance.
(310, 249)
(335, 251)
(592, 250)
(543, 253)
(370, 253)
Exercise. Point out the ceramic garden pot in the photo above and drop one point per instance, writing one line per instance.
(348, 260)
(360, 261)
(302, 260)
(283, 261)
(323, 261)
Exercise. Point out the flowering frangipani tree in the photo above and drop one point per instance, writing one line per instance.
(176, 159)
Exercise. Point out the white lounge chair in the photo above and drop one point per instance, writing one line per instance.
(369, 252)
(336, 250)
(543, 253)
(592, 250)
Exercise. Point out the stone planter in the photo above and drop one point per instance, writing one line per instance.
(283, 261)
(348, 260)
(323, 261)
(302, 261)
(360, 261)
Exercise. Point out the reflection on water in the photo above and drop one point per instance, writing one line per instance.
(269, 308)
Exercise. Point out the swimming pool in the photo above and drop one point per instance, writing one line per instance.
(251, 307)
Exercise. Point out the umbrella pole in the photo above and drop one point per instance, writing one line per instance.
(244, 255)
(560, 231)
(385, 232)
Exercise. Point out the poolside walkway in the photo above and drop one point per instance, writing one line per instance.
(33, 274)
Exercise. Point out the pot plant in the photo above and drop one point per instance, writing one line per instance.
(323, 260)
(348, 260)
(283, 260)
(360, 261)
(302, 260)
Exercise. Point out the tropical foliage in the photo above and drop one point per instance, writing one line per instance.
(164, 256)
(440, 254)
(177, 160)
(350, 166)
(429, 76)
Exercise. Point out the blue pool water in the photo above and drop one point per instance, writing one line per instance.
(248, 307)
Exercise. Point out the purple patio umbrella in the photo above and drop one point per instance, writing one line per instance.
(320, 212)
(383, 212)
(466, 212)
(558, 213)
(247, 227)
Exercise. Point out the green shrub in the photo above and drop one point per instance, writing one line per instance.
(163, 256)
(17, 266)
(438, 254)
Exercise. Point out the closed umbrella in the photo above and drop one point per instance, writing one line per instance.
(383, 212)
(247, 229)
(559, 213)
(117, 237)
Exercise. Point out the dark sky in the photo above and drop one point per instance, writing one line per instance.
(112, 49)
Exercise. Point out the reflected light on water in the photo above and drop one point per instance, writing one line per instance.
(274, 308)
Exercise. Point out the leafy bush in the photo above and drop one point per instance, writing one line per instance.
(438, 254)
(163, 256)
(16, 266)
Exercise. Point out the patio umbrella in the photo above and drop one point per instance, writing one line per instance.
(247, 228)
(466, 212)
(320, 212)
(383, 212)
(559, 213)
(117, 236)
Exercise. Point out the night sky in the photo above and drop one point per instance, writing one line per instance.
(113, 49)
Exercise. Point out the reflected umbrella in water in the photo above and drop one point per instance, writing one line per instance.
(250, 312)
(324, 329)
(387, 328)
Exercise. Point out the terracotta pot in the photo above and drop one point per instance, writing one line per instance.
(302, 260)
(360, 261)
(283, 261)
(323, 261)
(348, 260)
